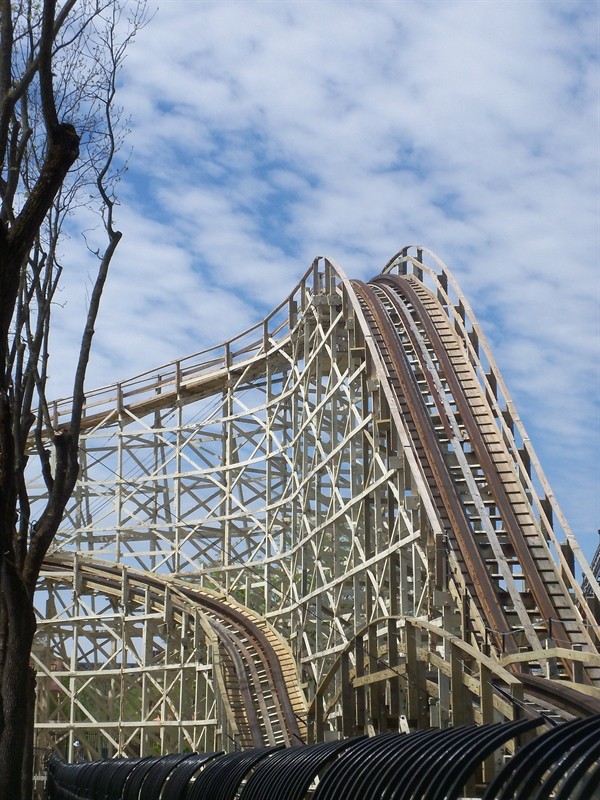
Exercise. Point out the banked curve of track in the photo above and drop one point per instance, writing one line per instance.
(272, 705)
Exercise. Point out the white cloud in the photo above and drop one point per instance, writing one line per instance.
(267, 133)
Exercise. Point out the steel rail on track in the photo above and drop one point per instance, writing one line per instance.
(554, 606)
(403, 384)
(410, 260)
(447, 419)
(265, 651)
(246, 671)
(560, 695)
(546, 603)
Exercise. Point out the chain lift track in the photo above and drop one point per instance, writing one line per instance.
(333, 524)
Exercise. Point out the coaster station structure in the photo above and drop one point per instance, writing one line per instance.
(331, 524)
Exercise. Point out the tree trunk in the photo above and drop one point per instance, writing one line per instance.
(28, 754)
(39, 42)
(16, 693)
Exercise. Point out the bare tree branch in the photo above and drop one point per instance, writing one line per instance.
(60, 134)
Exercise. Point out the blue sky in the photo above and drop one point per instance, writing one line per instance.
(266, 133)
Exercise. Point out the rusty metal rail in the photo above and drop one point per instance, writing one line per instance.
(520, 539)
(504, 560)
(427, 445)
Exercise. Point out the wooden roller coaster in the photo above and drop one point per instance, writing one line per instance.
(334, 524)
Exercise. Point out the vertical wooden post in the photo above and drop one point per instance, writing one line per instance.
(418, 715)
(459, 710)
(361, 710)
(349, 715)
(394, 683)
(486, 705)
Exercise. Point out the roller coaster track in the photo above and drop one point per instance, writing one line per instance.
(499, 522)
(334, 523)
(257, 674)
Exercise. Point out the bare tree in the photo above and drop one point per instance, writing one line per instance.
(59, 154)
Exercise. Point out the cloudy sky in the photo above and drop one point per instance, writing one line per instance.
(266, 133)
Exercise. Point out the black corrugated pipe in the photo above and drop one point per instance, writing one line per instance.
(432, 764)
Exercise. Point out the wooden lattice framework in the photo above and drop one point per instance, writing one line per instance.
(274, 469)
